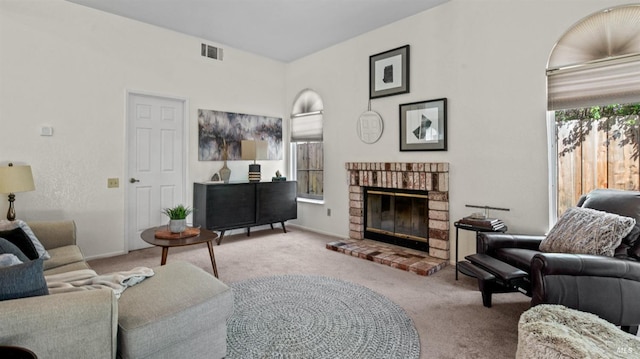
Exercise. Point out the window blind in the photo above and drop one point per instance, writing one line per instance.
(597, 61)
(604, 82)
(306, 127)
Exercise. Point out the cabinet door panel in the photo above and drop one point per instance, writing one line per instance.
(231, 205)
(224, 206)
(276, 202)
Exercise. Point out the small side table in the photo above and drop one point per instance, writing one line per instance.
(476, 229)
(205, 236)
(11, 352)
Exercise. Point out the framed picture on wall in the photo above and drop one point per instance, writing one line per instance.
(423, 125)
(389, 73)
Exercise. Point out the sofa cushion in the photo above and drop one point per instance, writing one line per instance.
(67, 268)
(23, 280)
(587, 231)
(63, 256)
(39, 248)
(20, 240)
(7, 247)
(623, 203)
(9, 259)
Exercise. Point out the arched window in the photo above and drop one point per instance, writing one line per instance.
(307, 154)
(593, 91)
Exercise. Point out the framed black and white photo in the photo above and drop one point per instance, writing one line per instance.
(423, 126)
(389, 73)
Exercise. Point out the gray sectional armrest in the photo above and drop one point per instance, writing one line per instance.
(69, 325)
(54, 234)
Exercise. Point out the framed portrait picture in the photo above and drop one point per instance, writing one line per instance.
(423, 126)
(389, 73)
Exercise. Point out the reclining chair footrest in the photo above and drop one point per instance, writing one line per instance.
(485, 280)
(496, 267)
(478, 272)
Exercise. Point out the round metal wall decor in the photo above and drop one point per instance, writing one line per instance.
(370, 127)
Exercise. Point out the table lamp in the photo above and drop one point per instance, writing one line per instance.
(15, 179)
(254, 150)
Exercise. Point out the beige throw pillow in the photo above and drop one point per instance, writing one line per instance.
(587, 231)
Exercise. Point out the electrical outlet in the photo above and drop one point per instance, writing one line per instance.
(113, 183)
(328, 212)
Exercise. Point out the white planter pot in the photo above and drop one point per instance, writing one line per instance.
(177, 225)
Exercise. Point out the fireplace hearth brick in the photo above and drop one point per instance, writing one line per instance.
(393, 256)
(424, 176)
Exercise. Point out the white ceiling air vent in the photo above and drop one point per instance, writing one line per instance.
(211, 52)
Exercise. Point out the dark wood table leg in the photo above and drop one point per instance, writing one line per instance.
(165, 251)
(456, 253)
(220, 237)
(283, 227)
(213, 259)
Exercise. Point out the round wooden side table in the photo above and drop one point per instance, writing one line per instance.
(205, 236)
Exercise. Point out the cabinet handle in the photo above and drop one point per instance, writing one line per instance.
(133, 180)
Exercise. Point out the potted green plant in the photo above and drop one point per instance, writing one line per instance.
(177, 217)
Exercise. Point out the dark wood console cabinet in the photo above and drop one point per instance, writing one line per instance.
(222, 207)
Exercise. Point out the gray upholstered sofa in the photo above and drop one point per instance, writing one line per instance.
(181, 311)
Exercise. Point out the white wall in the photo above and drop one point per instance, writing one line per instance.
(488, 58)
(69, 67)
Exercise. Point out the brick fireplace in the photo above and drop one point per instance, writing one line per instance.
(422, 176)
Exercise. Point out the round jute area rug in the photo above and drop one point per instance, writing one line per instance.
(302, 316)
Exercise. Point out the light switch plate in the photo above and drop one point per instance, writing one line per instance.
(113, 183)
(46, 131)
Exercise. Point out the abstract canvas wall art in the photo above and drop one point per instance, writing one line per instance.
(217, 127)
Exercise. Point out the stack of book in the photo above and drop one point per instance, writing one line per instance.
(490, 224)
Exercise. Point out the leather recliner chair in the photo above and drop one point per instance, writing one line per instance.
(606, 286)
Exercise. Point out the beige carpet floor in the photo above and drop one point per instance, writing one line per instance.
(448, 314)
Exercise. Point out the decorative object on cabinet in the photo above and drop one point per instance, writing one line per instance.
(254, 150)
(370, 126)
(389, 73)
(423, 125)
(225, 172)
(15, 179)
(221, 207)
(278, 177)
(217, 127)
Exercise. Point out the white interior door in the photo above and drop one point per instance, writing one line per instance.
(156, 172)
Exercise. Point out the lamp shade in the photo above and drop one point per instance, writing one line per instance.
(254, 150)
(16, 179)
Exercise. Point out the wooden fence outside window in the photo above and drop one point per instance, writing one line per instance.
(598, 161)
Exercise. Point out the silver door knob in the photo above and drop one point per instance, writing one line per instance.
(133, 180)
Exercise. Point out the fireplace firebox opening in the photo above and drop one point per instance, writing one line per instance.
(431, 178)
(397, 216)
